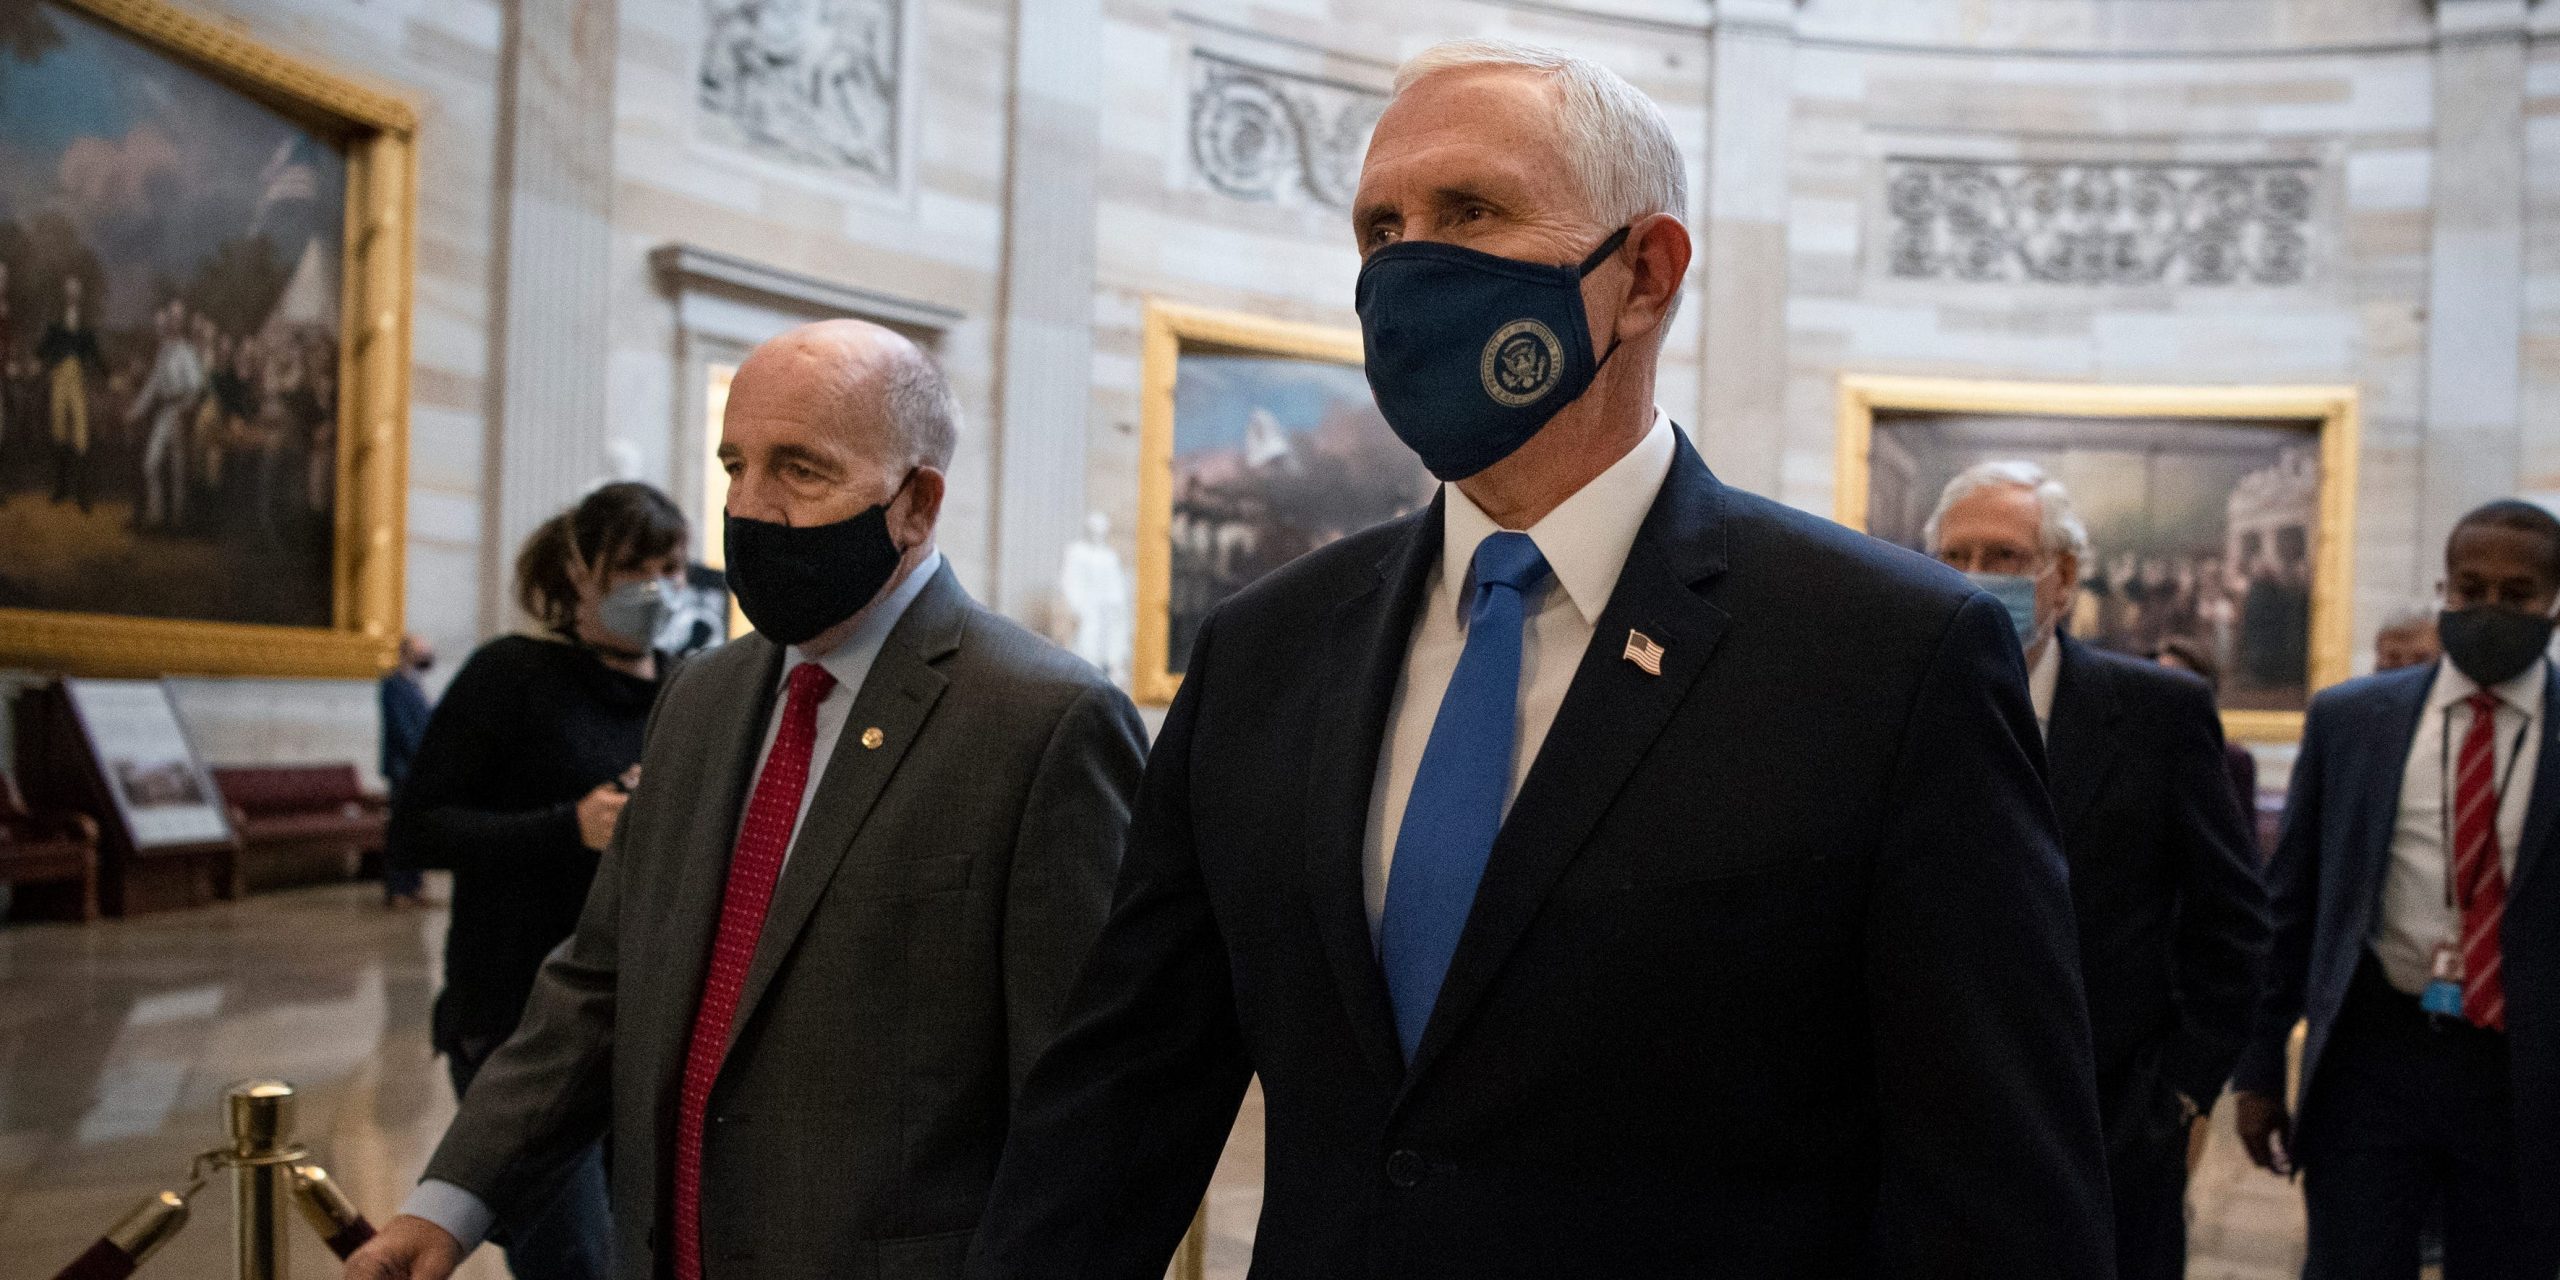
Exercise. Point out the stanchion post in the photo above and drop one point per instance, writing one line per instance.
(1191, 1262)
(261, 1124)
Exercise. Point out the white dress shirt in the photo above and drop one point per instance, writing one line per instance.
(1585, 541)
(2415, 916)
(468, 1218)
(2042, 679)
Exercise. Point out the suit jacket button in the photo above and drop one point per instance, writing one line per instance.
(1404, 1168)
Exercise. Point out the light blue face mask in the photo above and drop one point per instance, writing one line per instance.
(2016, 593)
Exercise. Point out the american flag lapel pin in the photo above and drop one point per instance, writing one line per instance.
(1642, 651)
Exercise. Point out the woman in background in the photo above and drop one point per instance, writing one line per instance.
(516, 790)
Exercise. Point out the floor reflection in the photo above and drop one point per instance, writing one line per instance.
(117, 1040)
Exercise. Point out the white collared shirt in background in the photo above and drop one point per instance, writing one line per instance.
(2414, 916)
(2042, 679)
(1585, 541)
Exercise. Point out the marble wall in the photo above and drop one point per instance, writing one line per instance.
(1014, 180)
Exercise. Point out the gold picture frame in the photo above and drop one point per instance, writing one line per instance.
(376, 265)
(2330, 410)
(1172, 330)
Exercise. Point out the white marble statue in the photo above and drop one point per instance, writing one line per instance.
(1095, 588)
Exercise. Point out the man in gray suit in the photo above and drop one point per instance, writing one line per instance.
(872, 843)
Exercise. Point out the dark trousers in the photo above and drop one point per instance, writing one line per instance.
(568, 1237)
(71, 475)
(2408, 1108)
(2146, 1130)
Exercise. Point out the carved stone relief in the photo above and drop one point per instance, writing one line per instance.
(814, 81)
(1277, 136)
(2099, 223)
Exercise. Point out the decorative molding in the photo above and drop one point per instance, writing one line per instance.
(826, 86)
(685, 268)
(1278, 137)
(2104, 222)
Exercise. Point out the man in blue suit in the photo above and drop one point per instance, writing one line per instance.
(1606, 871)
(2418, 930)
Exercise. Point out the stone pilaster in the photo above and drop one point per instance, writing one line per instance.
(1047, 292)
(556, 128)
(1741, 227)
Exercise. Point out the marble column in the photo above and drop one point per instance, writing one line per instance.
(552, 306)
(1741, 223)
(1046, 350)
(2472, 448)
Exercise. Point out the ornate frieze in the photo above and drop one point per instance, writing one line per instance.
(820, 82)
(2107, 222)
(1262, 134)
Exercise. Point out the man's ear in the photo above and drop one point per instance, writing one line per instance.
(1657, 256)
(918, 509)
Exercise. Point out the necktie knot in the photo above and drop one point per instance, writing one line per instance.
(1510, 560)
(2485, 704)
(810, 684)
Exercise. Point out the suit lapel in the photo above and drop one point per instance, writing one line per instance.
(1612, 712)
(2393, 734)
(897, 697)
(2544, 807)
(750, 671)
(1363, 660)
(2081, 746)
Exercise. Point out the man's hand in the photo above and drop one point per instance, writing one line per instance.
(406, 1248)
(2266, 1131)
(598, 811)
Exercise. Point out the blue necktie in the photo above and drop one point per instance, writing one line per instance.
(1456, 806)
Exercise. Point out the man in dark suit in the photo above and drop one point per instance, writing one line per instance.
(1767, 971)
(404, 724)
(2418, 932)
(839, 918)
(2173, 923)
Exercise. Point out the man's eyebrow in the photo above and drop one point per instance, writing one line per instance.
(818, 458)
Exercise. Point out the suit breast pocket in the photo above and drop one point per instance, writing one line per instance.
(917, 877)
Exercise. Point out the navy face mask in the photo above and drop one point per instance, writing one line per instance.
(1468, 354)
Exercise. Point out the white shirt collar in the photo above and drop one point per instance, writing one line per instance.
(1585, 539)
(2044, 678)
(850, 662)
(2523, 693)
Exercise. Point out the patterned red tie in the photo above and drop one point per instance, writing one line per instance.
(2480, 882)
(762, 840)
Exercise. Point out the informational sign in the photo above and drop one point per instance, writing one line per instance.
(164, 795)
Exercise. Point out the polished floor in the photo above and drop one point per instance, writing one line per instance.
(117, 1040)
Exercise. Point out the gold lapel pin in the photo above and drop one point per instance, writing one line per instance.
(1642, 651)
(872, 738)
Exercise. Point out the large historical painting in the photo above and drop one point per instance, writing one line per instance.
(174, 303)
(814, 81)
(1262, 444)
(2210, 526)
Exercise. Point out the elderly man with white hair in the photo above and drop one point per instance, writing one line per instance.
(1606, 872)
(2173, 919)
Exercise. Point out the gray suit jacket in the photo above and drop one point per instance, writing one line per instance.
(939, 898)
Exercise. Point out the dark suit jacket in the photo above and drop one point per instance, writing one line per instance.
(404, 724)
(2173, 919)
(2325, 887)
(937, 899)
(1770, 972)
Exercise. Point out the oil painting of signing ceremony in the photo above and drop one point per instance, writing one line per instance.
(1342, 640)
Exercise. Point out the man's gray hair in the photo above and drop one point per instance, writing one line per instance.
(924, 417)
(2059, 528)
(1617, 140)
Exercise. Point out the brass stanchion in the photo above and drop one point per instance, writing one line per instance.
(329, 1211)
(261, 1116)
(132, 1239)
(1191, 1261)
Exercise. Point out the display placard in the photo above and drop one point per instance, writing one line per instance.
(161, 791)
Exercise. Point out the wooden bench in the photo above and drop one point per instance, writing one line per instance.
(49, 859)
(300, 823)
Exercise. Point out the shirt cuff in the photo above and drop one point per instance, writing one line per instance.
(463, 1216)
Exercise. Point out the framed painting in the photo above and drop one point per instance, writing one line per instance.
(205, 263)
(1258, 443)
(2220, 518)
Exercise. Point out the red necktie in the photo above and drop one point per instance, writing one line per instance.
(2480, 882)
(763, 839)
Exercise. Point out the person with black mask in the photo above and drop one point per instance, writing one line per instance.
(876, 839)
(2418, 933)
(517, 788)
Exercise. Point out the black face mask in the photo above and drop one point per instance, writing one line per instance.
(795, 582)
(1469, 354)
(423, 665)
(2492, 645)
